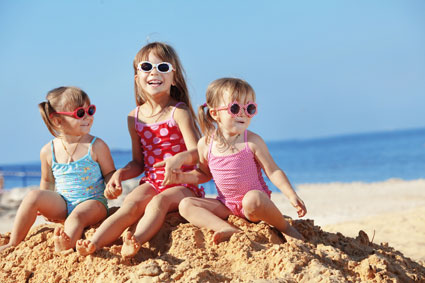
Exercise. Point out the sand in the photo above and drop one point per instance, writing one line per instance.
(354, 232)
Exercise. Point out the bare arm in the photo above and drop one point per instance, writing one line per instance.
(133, 169)
(185, 122)
(47, 181)
(274, 173)
(102, 155)
(197, 176)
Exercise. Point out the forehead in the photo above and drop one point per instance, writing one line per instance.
(153, 57)
(240, 97)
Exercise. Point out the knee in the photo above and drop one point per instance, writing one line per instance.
(132, 209)
(185, 205)
(253, 202)
(159, 203)
(77, 217)
(33, 197)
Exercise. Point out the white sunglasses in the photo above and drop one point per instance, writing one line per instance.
(163, 67)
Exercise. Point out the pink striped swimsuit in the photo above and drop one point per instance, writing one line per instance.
(235, 175)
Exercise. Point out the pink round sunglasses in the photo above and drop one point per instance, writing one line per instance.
(234, 109)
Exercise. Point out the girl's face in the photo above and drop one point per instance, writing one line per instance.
(155, 83)
(69, 125)
(229, 124)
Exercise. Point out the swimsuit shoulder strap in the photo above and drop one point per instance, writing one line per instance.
(53, 152)
(174, 109)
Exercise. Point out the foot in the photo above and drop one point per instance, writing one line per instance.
(85, 247)
(61, 240)
(224, 234)
(130, 245)
(291, 234)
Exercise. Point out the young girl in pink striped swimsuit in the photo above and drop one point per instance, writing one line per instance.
(234, 157)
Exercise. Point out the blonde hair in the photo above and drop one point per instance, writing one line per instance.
(238, 90)
(179, 90)
(60, 99)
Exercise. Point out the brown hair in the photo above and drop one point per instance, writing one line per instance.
(238, 89)
(60, 99)
(178, 91)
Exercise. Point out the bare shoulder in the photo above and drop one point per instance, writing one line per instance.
(202, 142)
(131, 117)
(46, 152)
(255, 142)
(254, 138)
(133, 112)
(182, 112)
(203, 146)
(99, 144)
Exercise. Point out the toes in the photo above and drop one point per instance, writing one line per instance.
(65, 236)
(57, 231)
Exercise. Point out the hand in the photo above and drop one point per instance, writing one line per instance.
(172, 167)
(113, 188)
(299, 205)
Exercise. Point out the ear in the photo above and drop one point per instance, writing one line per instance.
(214, 114)
(57, 121)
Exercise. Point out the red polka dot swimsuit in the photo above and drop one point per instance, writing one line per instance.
(160, 141)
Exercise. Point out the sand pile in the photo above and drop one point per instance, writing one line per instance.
(181, 252)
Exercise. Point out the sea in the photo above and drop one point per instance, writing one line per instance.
(366, 157)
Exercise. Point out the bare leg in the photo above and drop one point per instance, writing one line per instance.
(258, 206)
(85, 214)
(154, 217)
(131, 210)
(208, 213)
(50, 204)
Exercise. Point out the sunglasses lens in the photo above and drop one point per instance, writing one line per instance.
(91, 110)
(234, 109)
(251, 109)
(163, 68)
(146, 66)
(80, 113)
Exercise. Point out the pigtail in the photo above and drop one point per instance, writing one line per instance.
(46, 112)
(206, 122)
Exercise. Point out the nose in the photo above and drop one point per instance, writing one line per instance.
(154, 69)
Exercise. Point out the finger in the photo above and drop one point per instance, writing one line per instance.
(159, 164)
(108, 194)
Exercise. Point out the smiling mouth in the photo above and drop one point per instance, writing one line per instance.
(154, 83)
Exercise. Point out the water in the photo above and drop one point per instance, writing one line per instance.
(368, 157)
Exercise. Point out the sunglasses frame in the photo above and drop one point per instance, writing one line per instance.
(170, 66)
(241, 106)
(74, 113)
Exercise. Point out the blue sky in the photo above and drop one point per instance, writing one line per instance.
(319, 68)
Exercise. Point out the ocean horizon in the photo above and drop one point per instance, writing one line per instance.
(364, 157)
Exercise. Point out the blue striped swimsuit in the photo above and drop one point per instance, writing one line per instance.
(79, 180)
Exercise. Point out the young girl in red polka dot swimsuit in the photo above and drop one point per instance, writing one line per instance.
(162, 125)
(161, 141)
(235, 157)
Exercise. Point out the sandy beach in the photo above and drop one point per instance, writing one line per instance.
(391, 214)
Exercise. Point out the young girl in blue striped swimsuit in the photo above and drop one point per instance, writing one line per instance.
(74, 167)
